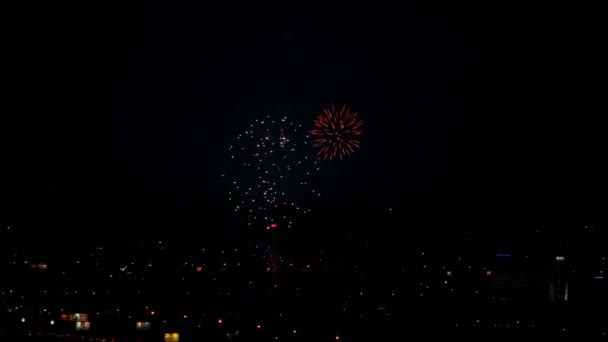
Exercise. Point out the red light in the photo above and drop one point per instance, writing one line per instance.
(220, 321)
(337, 338)
(258, 326)
(274, 225)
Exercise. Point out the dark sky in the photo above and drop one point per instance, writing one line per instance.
(123, 115)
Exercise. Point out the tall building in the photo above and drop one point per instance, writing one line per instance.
(560, 281)
(519, 278)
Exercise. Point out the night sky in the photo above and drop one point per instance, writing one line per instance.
(122, 116)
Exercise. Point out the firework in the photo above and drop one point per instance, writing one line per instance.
(270, 171)
(336, 132)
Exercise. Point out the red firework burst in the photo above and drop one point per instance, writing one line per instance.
(336, 132)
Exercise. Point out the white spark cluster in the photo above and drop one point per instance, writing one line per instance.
(270, 172)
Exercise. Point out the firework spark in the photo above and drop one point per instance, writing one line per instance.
(336, 132)
(270, 173)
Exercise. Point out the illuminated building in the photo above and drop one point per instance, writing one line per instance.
(143, 325)
(83, 325)
(171, 337)
(76, 317)
(40, 266)
(559, 282)
(515, 278)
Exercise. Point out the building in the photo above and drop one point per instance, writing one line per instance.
(520, 278)
(559, 286)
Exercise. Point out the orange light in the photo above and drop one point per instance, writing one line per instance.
(220, 321)
(488, 272)
(199, 269)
